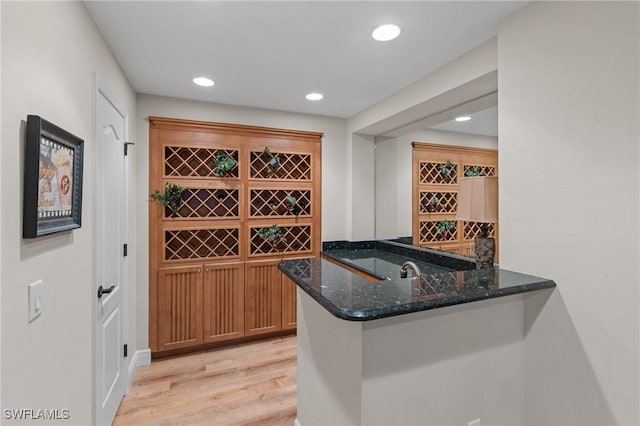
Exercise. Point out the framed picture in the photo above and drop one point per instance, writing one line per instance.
(52, 179)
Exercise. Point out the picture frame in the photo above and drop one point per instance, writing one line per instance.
(52, 179)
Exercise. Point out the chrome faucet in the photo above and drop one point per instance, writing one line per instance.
(404, 270)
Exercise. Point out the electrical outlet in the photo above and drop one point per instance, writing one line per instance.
(475, 422)
(35, 300)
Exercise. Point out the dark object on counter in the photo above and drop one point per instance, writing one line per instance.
(478, 202)
(484, 247)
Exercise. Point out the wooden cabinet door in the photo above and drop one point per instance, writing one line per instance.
(288, 303)
(263, 297)
(179, 307)
(223, 301)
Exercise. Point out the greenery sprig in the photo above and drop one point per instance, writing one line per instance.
(272, 234)
(446, 168)
(224, 164)
(294, 206)
(274, 160)
(444, 226)
(171, 196)
(472, 171)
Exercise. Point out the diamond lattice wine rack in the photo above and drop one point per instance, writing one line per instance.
(212, 277)
(195, 162)
(436, 173)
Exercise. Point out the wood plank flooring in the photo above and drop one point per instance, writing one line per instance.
(251, 384)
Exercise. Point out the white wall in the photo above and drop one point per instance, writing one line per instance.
(50, 51)
(0, 209)
(387, 197)
(335, 168)
(569, 191)
(445, 366)
(360, 207)
(329, 366)
(394, 176)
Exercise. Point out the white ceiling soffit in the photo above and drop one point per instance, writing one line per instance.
(483, 122)
(444, 116)
(436, 110)
(271, 54)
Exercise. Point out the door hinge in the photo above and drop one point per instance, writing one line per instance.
(126, 147)
(126, 350)
(125, 250)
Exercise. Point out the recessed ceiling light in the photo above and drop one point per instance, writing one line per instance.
(314, 96)
(386, 32)
(463, 118)
(203, 81)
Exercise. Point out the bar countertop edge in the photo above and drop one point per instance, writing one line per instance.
(350, 297)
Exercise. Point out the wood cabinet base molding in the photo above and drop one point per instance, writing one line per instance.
(221, 344)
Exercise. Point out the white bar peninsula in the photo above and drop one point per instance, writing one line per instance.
(443, 349)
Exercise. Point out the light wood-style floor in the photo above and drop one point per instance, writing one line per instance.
(250, 384)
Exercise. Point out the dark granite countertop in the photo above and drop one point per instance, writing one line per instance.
(353, 250)
(380, 263)
(351, 297)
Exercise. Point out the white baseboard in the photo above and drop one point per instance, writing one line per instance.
(296, 422)
(139, 358)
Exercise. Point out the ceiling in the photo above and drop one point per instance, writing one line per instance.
(269, 54)
(483, 122)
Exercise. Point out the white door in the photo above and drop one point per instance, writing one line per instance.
(111, 370)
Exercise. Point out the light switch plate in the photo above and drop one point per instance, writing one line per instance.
(35, 300)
